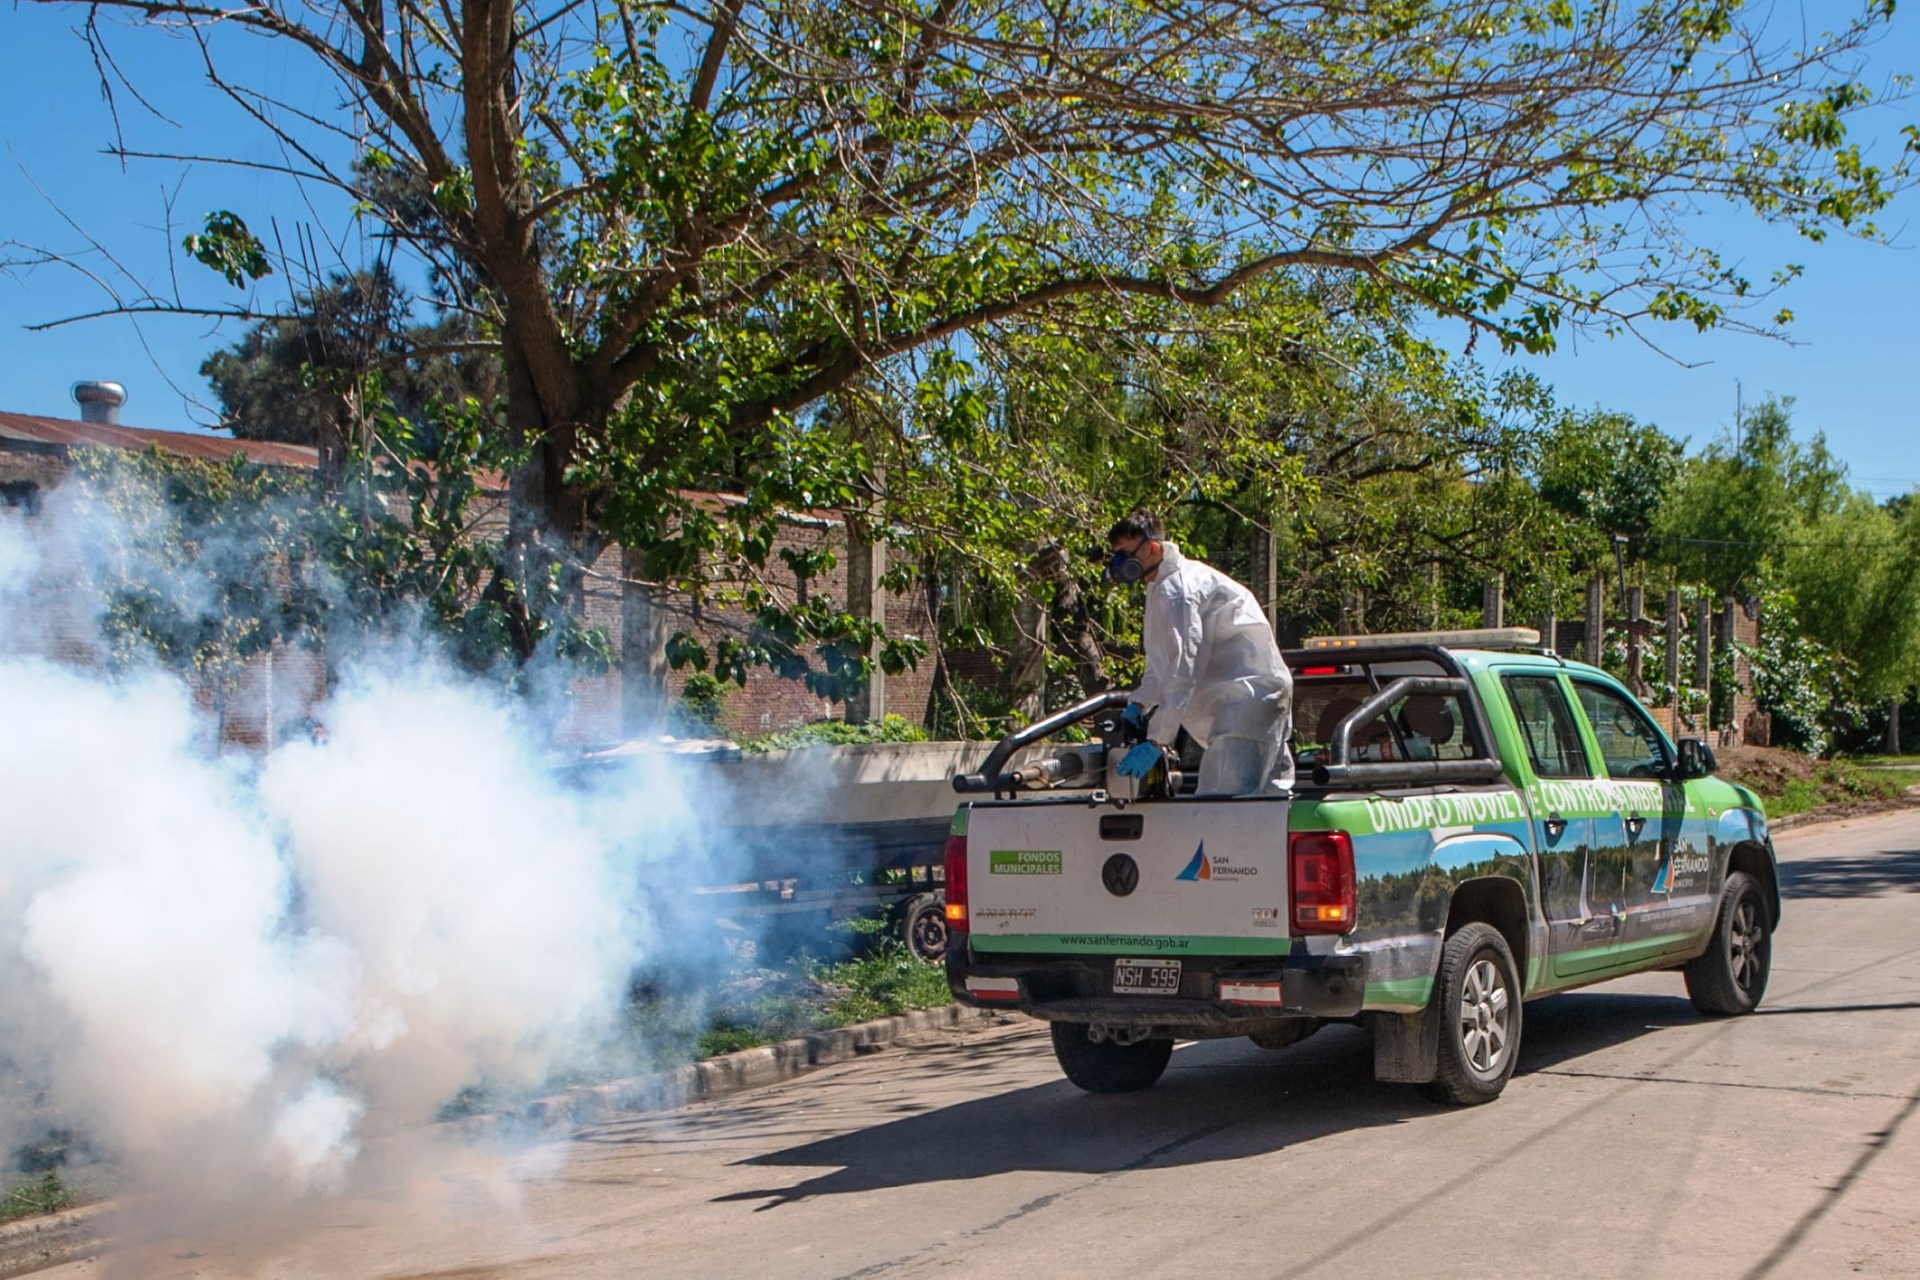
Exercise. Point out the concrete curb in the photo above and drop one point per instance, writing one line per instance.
(35, 1244)
(729, 1073)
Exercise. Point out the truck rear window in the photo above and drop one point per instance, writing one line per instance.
(1422, 726)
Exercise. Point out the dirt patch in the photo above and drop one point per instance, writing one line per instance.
(1767, 770)
(1800, 789)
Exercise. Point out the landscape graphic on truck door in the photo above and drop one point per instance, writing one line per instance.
(1661, 834)
(1570, 818)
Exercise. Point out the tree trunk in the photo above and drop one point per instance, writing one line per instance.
(1072, 623)
(1893, 725)
(866, 564)
(1027, 682)
(643, 652)
(547, 516)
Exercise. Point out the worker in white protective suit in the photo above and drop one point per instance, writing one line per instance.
(1213, 668)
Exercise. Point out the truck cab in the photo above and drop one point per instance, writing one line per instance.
(1475, 823)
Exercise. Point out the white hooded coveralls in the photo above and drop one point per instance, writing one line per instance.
(1213, 669)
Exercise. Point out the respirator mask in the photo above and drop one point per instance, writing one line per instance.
(1123, 568)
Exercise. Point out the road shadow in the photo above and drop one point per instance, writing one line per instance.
(1562, 1028)
(1219, 1101)
(1859, 875)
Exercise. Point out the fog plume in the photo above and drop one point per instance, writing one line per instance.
(232, 973)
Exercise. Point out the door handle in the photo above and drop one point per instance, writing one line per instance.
(1556, 826)
(1635, 825)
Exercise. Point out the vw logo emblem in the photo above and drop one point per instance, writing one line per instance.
(1121, 875)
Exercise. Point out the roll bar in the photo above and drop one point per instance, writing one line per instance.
(1486, 768)
(992, 776)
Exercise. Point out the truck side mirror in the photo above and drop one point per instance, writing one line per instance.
(1696, 759)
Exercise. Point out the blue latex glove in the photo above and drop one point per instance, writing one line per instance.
(1135, 717)
(1139, 762)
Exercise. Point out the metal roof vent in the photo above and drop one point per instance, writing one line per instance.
(100, 401)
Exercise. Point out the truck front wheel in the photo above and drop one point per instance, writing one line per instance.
(1731, 976)
(1477, 1000)
(1101, 1066)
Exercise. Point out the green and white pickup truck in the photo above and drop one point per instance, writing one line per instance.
(1477, 823)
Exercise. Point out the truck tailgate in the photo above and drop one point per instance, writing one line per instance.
(1203, 877)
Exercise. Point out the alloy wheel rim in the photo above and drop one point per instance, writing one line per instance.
(1485, 1011)
(1745, 936)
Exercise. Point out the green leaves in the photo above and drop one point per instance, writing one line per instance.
(226, 245)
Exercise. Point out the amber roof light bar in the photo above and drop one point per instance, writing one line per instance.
(1480, 638)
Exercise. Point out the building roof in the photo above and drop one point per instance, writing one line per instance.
(63, 432)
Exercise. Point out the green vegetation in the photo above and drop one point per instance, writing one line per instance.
(774, 1007)
(887, 980)
(872, 975)
(1794, 785)
(42, 1194)
(837, 733)
(702, 702)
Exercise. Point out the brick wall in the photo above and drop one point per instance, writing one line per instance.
(767, 702)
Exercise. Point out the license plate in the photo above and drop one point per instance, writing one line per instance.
(1146, 977)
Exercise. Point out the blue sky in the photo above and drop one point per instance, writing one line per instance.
(1851, 366)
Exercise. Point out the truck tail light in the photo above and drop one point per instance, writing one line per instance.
(956, 886)
(1320, 882)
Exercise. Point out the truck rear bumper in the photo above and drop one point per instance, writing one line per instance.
(1081, 989)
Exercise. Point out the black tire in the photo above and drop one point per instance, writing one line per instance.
(1105, 1067)
(923, 927)
(1731, 975)
(1476, 997)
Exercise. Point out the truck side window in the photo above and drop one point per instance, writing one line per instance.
(1546, 723)
(1630, 745)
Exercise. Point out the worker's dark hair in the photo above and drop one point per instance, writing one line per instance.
(1137, 523)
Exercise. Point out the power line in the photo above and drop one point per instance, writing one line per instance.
(1741, 542)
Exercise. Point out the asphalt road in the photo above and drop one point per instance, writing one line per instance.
(1638, 1139)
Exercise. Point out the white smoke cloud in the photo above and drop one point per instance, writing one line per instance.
(486, 907)
(232, 975)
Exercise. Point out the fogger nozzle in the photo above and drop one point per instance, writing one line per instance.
(1049, 771)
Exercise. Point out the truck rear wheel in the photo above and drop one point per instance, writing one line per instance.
(1477, 1000)
(1105, 1067)
(1731, 975)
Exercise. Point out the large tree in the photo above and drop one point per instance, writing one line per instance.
(685, 224)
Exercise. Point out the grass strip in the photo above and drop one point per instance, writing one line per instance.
(1840, 784)
(37, 1195)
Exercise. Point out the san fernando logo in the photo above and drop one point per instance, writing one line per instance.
(1198, 869)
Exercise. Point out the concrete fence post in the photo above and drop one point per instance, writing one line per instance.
(1636, 617)
(1493, 601)
(1703, 656)
(1596, 631)
(1674, 623)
